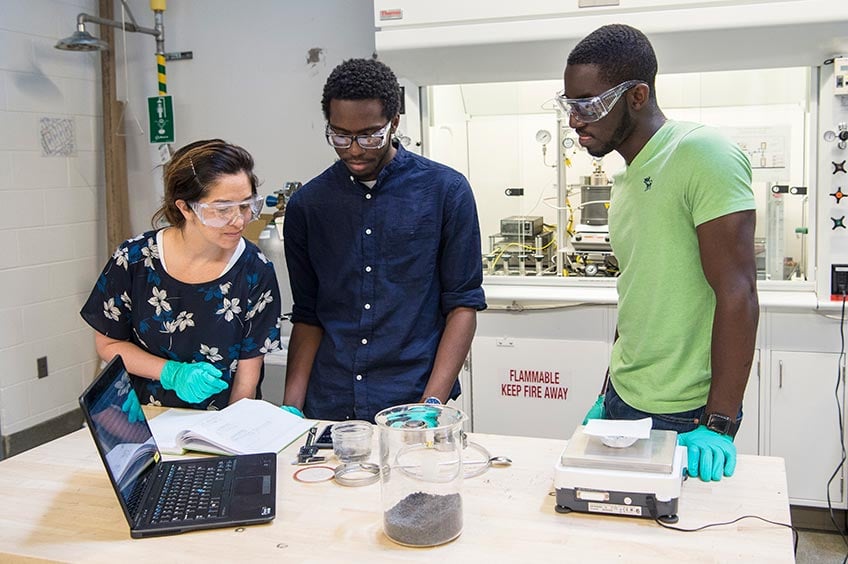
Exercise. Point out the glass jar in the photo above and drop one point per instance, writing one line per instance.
(352, 440)
(421, 473)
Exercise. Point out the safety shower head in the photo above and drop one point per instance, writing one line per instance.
(81, 40)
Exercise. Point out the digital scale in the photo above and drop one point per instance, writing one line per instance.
(641, 480)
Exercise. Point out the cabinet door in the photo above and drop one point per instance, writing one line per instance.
(534, 387)
(747, 440)
(804, 424)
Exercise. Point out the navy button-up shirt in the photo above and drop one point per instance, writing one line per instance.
(379, 269)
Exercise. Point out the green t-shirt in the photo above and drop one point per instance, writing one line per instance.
(687, 174)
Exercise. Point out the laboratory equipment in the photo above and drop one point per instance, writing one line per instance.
(524, 245)
(840, 76)
(842, 135)
(270, 242)
(308, 452)
(82, 40)
(421, 473)
(590, 252)
(352, 440)
(641, 480)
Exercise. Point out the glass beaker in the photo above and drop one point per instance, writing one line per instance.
(421, 473)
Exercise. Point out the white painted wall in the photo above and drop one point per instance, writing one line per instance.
(249, 83)
(51, 231)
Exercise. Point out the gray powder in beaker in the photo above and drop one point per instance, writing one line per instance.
(422, 519)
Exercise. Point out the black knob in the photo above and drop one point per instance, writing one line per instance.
(843, 135)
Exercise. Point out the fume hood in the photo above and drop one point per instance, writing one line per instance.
(447, 42)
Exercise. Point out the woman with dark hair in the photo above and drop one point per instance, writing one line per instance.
(192, 307)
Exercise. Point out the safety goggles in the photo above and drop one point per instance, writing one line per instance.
(376, 140)
(588, 110)
(219, 214)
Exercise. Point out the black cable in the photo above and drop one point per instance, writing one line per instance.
(652, 510)
(841, 464)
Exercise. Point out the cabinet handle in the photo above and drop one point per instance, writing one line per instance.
(780, 374)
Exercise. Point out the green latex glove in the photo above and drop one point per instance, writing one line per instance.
(710, 454)
(596, 411)
(132, 408)
(193, 382)
(293, 410)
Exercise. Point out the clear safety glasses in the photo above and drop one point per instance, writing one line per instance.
(376, 140)
(588, 110)
(219, 214)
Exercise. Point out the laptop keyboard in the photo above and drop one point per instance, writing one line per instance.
(192, 492)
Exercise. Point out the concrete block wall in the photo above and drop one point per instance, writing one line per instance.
(51, 228)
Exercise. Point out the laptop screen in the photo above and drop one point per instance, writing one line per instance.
(120, 429)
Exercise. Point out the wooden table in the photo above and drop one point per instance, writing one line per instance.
(56, 504)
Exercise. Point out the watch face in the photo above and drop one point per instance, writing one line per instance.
(719, 423)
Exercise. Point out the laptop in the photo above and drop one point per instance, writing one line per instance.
(166, 498)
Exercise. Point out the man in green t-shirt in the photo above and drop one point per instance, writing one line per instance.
(681, 222)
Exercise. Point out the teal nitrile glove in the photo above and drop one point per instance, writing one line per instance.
(596, 411)
(132, 408)
(193, 382)
(293, 410)
(710, 454)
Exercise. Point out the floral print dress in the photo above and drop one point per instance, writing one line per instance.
(233, 317)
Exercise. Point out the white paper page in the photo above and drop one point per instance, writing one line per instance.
(251, 426)
(637, 429)
(166, 426)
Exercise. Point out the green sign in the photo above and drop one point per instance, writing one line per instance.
(160, 111)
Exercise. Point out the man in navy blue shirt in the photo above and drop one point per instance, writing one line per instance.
(383, 252)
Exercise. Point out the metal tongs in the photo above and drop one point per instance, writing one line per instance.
(306, 454)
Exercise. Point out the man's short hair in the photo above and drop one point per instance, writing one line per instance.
(622, 53)
(362, 79)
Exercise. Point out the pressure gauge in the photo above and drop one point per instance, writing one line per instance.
(829, 136)
(543, 136)
(567, 143)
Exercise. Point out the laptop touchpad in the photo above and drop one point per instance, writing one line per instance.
(253, 485)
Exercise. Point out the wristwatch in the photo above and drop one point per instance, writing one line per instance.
(433, 400)
(721, 424)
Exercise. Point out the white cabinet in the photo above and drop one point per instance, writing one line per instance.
(804, 425)
(536, 373)
(520, 388)
(747, 440)
(790, 409)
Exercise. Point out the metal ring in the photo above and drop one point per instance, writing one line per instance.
(320, 476)
(369, 471)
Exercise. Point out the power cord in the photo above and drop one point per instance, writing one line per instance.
(651, 502)
(841, 464)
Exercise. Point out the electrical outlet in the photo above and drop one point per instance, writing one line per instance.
(41, 362)
(838, 281)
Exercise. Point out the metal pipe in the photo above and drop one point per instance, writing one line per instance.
(82, 18)
(161, 74)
